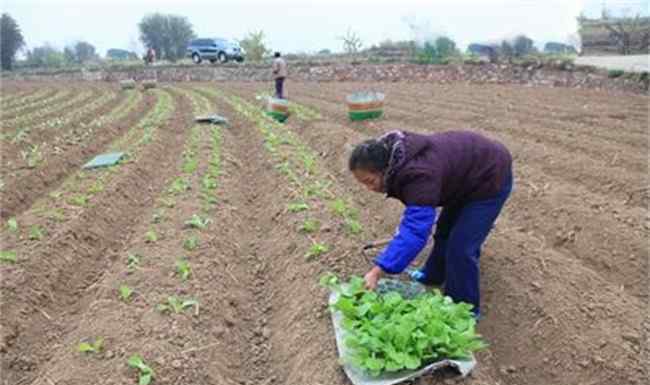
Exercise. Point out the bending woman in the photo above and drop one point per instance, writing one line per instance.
(465, 173)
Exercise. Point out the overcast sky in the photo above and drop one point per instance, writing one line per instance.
(306, 25)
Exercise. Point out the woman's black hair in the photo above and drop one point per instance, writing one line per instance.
(277, 54)
(371, 155)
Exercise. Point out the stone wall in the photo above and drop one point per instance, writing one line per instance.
(532, 74)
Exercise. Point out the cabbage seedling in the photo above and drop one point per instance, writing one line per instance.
(95, 347)
(146, 374)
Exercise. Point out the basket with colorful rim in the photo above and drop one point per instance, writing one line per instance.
(365, 105)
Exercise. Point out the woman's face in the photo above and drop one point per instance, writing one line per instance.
(373, 180)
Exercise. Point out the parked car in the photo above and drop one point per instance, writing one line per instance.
(214, 49)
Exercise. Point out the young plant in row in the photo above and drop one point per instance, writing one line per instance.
(191, 243)
(36, 233)
(145, 372)
(196, 222)
(12, 225)
(177, 305)
(183, 269)
(297, 207)
(125, 293)
(91, 347)
(132, 262)
(151, 236)
(316, 250)
(310, 226)
(7, 256)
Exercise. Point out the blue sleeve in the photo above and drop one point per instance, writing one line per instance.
(414, 230)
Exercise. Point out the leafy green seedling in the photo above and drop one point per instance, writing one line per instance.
(125, 293)
(339, 207)
(96, 188)
(310, 226)
(56, 194)
(190, 165)
(353, 226)
(191, 243)
(8, 256)
(158, 216)
(12, 225)
(151, 236)
(79, 200)
(177, 305)
(36, 233)
(208, 182)
(316, 250)
(309, 161)
(168, 202)
(183, 269)
(132, 262)
(318, 189)
(179, 185)
(297, 207)
(284, 168)
(197, 222)
(94, 347)
(146, 374)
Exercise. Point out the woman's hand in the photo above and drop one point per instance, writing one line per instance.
(372, 277)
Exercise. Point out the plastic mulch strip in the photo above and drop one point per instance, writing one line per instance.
(359, 377)
(213, 119)
(104, 160)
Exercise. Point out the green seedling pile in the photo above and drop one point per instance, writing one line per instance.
(390, 333)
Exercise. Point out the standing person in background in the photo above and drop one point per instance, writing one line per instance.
(279, 74)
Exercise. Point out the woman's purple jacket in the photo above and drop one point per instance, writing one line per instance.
(428, 171)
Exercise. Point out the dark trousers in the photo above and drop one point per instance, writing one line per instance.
(460, 233)
(279, 88)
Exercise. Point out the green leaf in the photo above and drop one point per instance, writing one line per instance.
(85, 347)
(191, 243)
(36, 233)
(412, 362)
(125, 293)
(151, 236)
(297, 207)
(132, 261)
(145, 379)
(183, 269)
(8, 256)
(12, 224)
(197, 222)
(135, 361)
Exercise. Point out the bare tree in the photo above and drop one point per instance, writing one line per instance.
(351, 42)
(622, 32)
